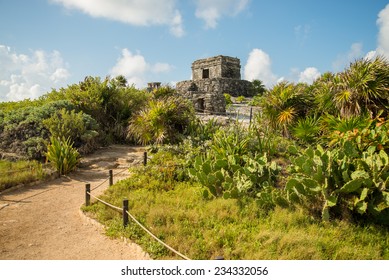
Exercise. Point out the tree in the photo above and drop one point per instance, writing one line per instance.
(162, 120)
(323, 90)
(284, 104)
(259, 87)
(109, 101)
(363, 87)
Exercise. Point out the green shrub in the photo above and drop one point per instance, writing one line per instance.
(233, 176)
(62, 155)
(228, 99)
(79, 127)
(161, 121)
(307, 130)
(22, 131)
(229, 169)
(240, 99)
(342, 180)
(108, 101)
(200, 131)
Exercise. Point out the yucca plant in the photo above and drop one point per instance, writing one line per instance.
(62, 155)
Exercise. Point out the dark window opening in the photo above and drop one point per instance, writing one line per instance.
(205, 73)
(200, 105)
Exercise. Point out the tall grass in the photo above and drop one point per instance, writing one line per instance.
(19, 172)
(234, 229)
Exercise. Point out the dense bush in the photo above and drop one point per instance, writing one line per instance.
(92, 113)
(342, 182)
(23, 132)
(231, 167)
(162, 120)
(110, 102)
(79, 127)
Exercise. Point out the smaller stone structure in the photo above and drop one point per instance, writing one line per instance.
(212, 77)
(153, 85)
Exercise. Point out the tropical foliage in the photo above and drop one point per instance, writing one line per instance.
(163, 120)
(317, 152)
(62, 155)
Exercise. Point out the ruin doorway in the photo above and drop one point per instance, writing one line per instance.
(200, 105)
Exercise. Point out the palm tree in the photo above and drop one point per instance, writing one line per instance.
(258, 87)
(363, 87)
(284, 103)
(323, 92)
(163, 120)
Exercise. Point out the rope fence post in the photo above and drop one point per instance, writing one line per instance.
(110, 177)
(125, 214)
(87, 194)
(251, 114)
(145, 158)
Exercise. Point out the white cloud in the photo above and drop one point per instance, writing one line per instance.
(135, 68)
(258, 67)
(212, 10)
(135, 12)
(29, 76)
(382, 44)
(370, 55)
(309, 75)
(343, 60)
(383, 34)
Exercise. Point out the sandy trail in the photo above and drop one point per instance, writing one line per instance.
(44, 221)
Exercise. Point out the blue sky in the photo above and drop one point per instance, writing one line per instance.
(48, 44)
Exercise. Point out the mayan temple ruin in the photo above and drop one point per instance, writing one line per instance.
(212, 77)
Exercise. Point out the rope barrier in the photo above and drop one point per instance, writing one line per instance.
(99, 185)
(105, 203)
(156, 238)
(133, 218)
(120, 172)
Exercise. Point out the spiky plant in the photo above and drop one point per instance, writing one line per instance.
(283, 104)
(307, 129)
(363, 87)
(62, 155)
(162, 121)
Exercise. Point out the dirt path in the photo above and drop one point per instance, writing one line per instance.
(44, 221)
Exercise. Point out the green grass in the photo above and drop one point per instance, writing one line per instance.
(19, 172)
(204, 229)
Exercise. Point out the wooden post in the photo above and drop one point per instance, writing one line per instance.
(125, 215)
(110, 178)
(87, 194)
(145, 158)
(251, 114)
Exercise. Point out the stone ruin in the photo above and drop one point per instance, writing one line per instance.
(153, 86)
(212, 77)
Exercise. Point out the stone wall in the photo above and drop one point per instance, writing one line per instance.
(216, 67)
(217, 85)
(205, 95)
